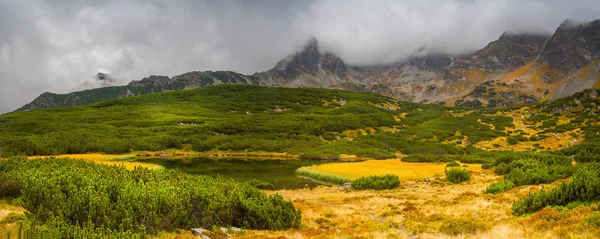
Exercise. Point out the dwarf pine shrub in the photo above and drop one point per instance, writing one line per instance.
(376, 182)
(584, 187)
(499, 187)
(75, 194)
(457, 175)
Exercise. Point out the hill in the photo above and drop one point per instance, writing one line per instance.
(309, 122)
(514, 70)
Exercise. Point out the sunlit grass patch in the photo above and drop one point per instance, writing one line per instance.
(404, 170)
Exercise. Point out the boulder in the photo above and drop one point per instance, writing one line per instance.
(199, 232)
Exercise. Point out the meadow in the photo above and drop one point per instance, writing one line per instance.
(309, 123)
(528, 172)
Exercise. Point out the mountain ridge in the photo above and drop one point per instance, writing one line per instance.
(513, 70)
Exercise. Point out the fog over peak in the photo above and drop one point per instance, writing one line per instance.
(58, 45)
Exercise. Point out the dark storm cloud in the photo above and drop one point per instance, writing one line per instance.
(57, 45)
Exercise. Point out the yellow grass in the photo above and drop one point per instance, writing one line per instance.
(103, 159)
(404, 170)
(518, 72)
(554, 141)
(419, 208)
(597, 85)
(5, 209)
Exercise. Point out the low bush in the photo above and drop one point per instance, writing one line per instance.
(584, 187)
(499, 187)
(457, 175)
(77, 196)
(9, 186)
(376, 182)
(452, 164)
(260, 184)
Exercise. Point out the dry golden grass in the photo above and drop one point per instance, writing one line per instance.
(597, 84)
(5, 209)
(103, 159)
(404, 170)
(518, 73)
(425, 210)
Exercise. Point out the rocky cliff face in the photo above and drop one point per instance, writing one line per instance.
(572, 47)
(516, 69)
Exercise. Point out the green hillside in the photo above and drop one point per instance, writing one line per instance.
(312, 123)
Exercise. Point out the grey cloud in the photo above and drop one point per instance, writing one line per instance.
(58, 45)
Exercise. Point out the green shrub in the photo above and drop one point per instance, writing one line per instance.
(584, 187)
(452, 164)
(9, 186)
(499, 187)
(512, 140)
(457, 175)
(376, 182)
(260, 184)
(74, 193)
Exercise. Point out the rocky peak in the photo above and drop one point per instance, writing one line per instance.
(332, 63)
(573, 46)
(45, 100)
(509, 51)
(153, 80)
(306, 60)
(433, 62)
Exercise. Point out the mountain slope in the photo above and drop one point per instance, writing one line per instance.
(514, 70)
(312, 123)
(147, 85)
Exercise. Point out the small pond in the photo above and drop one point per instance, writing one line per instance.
(280, 173)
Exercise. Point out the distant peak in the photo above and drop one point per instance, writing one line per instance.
(569, 23)
(521, 34)
(312, 44)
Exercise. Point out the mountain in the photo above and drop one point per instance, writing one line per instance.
(515, 69)
(147, 85)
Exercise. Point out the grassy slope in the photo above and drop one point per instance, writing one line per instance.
(312, 123)
(309, 122)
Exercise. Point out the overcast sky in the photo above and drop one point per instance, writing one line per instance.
(57, 45)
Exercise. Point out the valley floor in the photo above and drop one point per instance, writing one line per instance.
(433, 209)
(417, 209)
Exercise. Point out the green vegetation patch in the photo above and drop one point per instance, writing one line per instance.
(499, 187)
(457, 175)
(260, 184)
(376, 182)
(71, 196)
(585, 187)
(322, 177)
